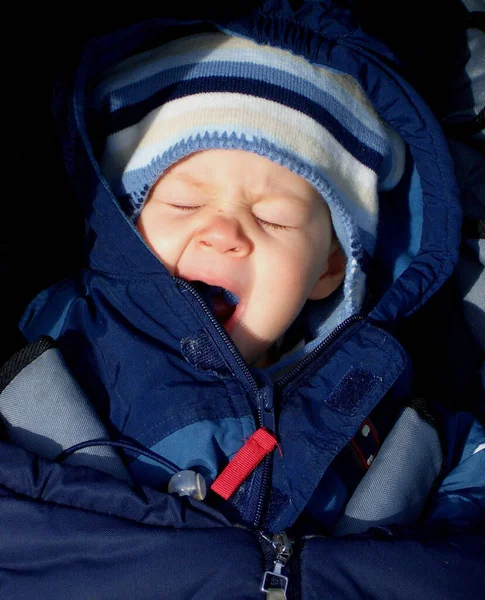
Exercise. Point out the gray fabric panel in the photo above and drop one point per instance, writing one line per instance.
(468, 96)
(399, 481)
(45, 411)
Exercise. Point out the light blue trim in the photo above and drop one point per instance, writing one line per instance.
(200, 446)
(415, 223)
(47, 312)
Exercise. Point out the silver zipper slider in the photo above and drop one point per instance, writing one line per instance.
(275, 594)
(274, 583)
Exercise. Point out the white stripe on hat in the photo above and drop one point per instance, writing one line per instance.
(214, 47)
(136, 146)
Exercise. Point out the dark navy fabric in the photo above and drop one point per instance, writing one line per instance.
(417, 568)
(77, 534)
(28, 475)
(142, 344)
(332, 423)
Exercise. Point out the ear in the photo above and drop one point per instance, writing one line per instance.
(332, 276)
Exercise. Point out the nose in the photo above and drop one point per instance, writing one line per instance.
(224, 235)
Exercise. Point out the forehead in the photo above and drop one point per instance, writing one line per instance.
(212, 170)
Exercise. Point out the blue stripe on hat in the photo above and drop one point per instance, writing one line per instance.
(358, 120)
(130, 115)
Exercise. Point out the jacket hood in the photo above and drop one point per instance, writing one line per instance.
(419, 220)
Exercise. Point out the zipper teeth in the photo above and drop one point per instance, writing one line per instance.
(242, 365)
(319, 349)
(264, 483)
(234, 351)
(267, 547)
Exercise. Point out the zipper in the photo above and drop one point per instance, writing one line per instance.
(350, 324)
(266, 403)
(275, 583)
(264, 398)
(267, 419)
(260, 494)
(266, 408)
(265, 395)
(198, 300)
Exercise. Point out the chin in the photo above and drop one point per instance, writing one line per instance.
(253, 350)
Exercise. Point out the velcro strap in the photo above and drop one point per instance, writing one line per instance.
(243, 464)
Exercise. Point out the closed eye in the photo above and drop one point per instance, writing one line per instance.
(271, 225)
(183, 207)
(268, 224)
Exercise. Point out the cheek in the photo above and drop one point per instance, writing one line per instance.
(318, 246)
(164, 239)
(296, 266)
(288, 267)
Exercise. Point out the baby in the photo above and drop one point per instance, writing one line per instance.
(237, 220)
(234, 215)
(223, 334)
(237, 164)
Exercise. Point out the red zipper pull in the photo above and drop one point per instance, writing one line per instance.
(244, 462)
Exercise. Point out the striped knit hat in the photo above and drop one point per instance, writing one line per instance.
(213, 90)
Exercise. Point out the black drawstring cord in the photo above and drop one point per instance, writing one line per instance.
(125, 445)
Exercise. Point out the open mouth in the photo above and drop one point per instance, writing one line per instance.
(222, 302)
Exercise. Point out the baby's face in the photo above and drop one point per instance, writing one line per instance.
(235, 219)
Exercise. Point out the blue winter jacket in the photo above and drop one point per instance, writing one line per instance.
(382, 494)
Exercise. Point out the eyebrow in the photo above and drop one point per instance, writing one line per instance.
(270, 186)
(194, 183)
